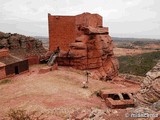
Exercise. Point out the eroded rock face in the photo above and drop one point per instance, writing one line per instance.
(150, 88)
(93, 50)
(20, 42)
(85, 44)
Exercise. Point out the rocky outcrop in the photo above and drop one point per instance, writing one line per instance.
(22, 44)
(93, 51)
(150, 89)
(85, 44)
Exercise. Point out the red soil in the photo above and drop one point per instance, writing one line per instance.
(56, 93)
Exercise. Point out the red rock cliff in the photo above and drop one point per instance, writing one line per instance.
(84, 44)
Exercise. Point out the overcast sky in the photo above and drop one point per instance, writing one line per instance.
(125, 18)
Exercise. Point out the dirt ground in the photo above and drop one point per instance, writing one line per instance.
(56, 93)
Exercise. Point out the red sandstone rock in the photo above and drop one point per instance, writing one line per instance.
(85, 44)
(88, 19)
(45, 69)
(91, 30)
(48, 68)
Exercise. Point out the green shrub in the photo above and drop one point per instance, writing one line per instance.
(5, 81)
(23, 115)
(140, 43)
(138, 64)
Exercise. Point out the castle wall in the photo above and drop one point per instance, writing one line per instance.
(61, 31)
(17, 67)
(89, 44)
(32, 60)
(2, 71)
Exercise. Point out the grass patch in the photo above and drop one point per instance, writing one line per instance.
(23, 115)
(138, 64)
(5, 81)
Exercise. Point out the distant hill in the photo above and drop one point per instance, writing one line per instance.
(138, 64)
(43, 38)
(133, 39)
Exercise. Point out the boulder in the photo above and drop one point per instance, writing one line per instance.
(91, 30)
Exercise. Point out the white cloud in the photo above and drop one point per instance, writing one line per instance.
(122, 16)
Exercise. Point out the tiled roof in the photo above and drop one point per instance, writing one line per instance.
(9, 60)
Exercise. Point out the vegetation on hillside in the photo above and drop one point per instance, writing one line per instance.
(138, 64)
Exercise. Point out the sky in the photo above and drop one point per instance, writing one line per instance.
(125, 18)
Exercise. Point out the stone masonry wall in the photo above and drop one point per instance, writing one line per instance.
(2, 72)
(61, 31)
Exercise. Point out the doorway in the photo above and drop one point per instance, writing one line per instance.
(16, 70)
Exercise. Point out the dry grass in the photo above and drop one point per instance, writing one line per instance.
(23, 115)
(5, 81)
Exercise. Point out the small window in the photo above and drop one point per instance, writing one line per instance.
(16, 70)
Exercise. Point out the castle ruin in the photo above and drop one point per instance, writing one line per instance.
(85, 44)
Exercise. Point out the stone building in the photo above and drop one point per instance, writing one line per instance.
(24, 47)
(85, 44)
(2, 70)
(11, 65)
